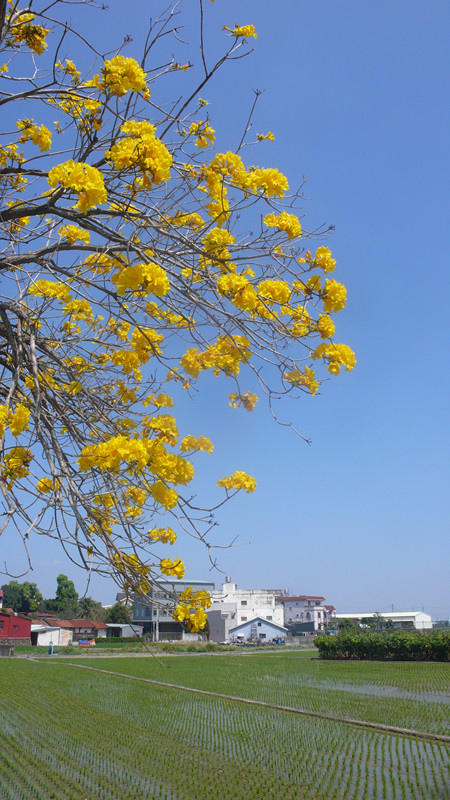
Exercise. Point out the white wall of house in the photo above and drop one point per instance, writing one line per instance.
(301, 611)
(249, 603)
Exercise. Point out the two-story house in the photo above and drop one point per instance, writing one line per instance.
(305, 611)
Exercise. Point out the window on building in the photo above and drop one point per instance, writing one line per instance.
(1, 626)
(15, 627)
(269, 616)
(244, 619)
(243, 602)
(259, 624)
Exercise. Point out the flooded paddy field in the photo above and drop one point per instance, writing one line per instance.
(74, 733)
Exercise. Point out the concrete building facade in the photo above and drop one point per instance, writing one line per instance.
(307, 612)
(237, 606)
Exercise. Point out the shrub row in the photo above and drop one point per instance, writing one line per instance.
(105, 641)
(396, 646)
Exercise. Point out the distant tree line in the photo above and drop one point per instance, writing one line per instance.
(396, 646)
(25, 598)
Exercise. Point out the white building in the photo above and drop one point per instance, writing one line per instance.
(306, 611)
(231, 607)
(45, 635)
(401, 619)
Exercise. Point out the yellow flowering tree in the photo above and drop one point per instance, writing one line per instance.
(128, 268)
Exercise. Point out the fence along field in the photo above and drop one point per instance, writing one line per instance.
(75, 734)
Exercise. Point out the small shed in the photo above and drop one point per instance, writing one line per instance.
(43, 635)
(257, 629)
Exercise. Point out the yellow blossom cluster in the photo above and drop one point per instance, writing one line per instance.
(284, 222)
(325, 326)
(261, 137)
(196, 443)
(79, 177)
(15, 465)
(163, 425)
(242, 30)
(334, 296)
(321, 259)
(304, 379)
(50, 289)
(162, 400)
(110, 455)
(239, 291)
(69, 68)
(313, 284)
(272, 182)
(190, 608)
(193, 220)
(271, 291)
(215, 243)
(102, 263)
(141, 150)
(122, 75)
(165, 535)
(166, 497)
(247, 400)
(72, 233)
(336, 355)
(301, 321)
(229, 166)
(16, 421)
(173, 567)
(11, 153)
(203, 132)
(238, 480)
(79, 309)
(142, 279)
(145, 343)
(46, 485)
(24, 32)
(40, 136)
(134, 498)
(196, 620)
(226, 356)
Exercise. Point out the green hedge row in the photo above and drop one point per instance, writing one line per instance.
(107, 640)
(396, 646)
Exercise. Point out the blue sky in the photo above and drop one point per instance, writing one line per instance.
(355, 94)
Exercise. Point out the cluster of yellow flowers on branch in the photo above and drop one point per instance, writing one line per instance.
(128, 267)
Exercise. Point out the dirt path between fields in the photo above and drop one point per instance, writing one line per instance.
(378, 726)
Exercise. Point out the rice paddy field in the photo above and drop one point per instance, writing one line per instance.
(84, 734)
